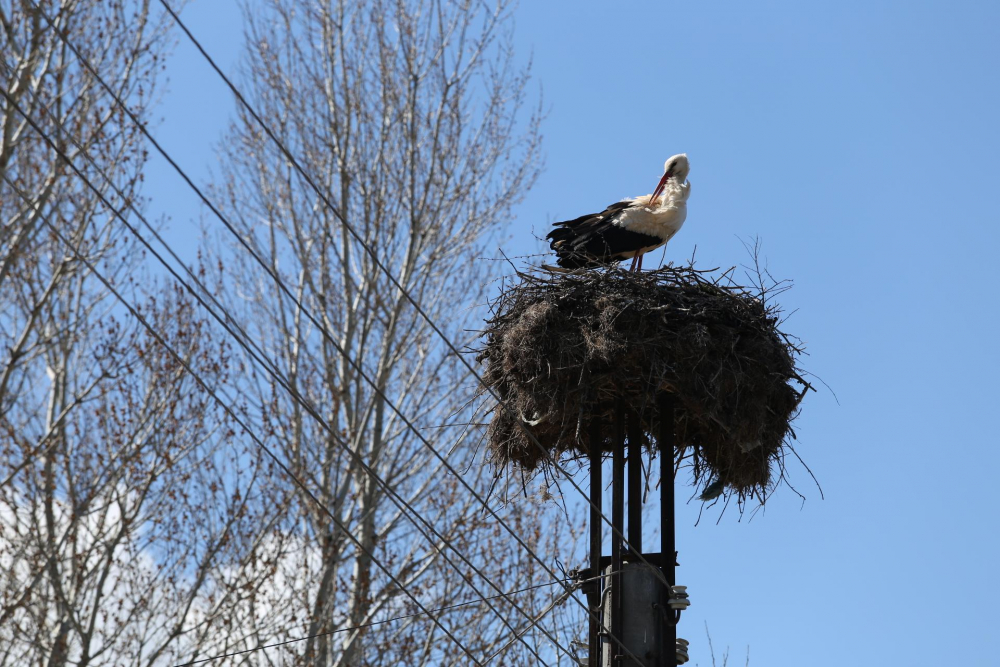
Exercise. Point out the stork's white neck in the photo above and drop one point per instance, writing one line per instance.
(674, 194)
(664, 218)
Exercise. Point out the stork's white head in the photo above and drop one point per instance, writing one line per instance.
(676, 169)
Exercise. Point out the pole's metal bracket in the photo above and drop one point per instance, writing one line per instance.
(588, 578)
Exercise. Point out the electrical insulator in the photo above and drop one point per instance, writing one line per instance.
(682, 651)
(679, 598)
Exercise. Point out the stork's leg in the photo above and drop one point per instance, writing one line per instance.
(640, 262)
(635, 258)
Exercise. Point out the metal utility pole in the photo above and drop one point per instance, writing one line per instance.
(668, 547)
(594, 587)
(638, 612)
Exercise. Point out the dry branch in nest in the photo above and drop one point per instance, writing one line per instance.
(561, 347)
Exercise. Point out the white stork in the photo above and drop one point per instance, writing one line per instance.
(629, 228)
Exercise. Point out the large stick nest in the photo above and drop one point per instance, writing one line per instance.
(562, 347)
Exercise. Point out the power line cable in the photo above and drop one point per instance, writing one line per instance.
(308, 314)
(372, 254)
(326, 334)
(232, 414)
(240, 333)
(271, 369)
(374, 257)
(400, 503)
(545, 612)
(369, 625)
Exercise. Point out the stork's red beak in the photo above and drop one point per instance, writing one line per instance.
(659, 187)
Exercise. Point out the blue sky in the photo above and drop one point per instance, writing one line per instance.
(860, 143)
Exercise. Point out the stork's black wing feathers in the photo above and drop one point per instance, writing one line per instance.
(591, 219)
(593, 239)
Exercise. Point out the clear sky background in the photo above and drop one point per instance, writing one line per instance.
(859, 141)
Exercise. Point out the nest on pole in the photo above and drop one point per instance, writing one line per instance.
(560, 348)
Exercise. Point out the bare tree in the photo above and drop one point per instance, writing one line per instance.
(408, 116)
(121, 497)
(137, 523)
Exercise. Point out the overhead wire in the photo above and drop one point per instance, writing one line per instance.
(232, 413)
(365, 625)
(270, 367)
(325, 199)
(378, 263)
(561, 598)
(400, 503)
(306, 311)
